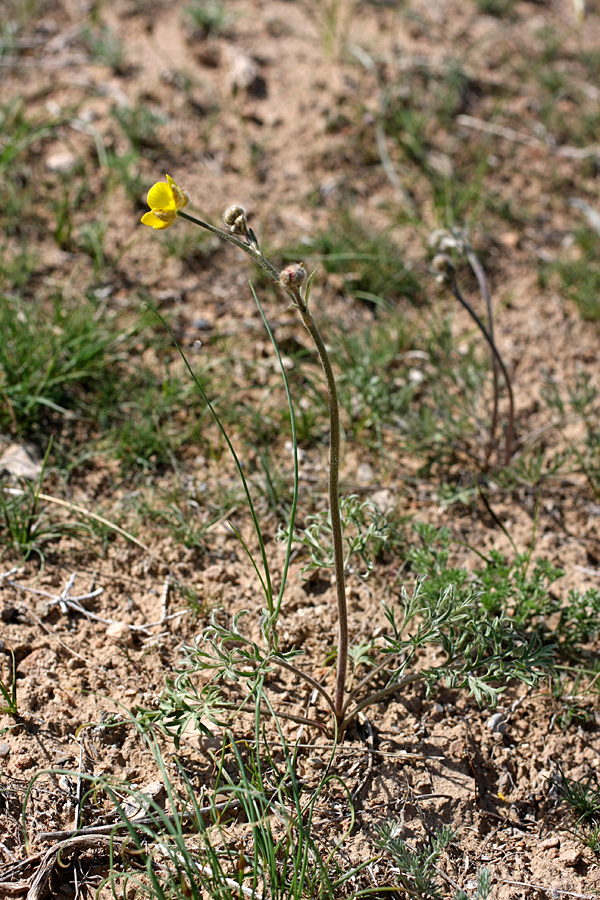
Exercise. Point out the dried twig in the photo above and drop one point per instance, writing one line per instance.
(554, 892)
(518, 137)
(84, 512)
(66, 602)
(37, 886)
(134, 823)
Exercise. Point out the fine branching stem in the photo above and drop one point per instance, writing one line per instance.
(368, 678)
(371, 699)
(511, 403)
(307, 678)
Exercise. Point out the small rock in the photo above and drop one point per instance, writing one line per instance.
(116, 757)
(570, 857)
(4, 750)
(384, 500)
(153, 795)
(457, 748)
(365, 473)
(549, 843)
(120, 633)
(21, 461)
(214, 572)
(437, 713)
(61, 162)
(39, 660)
(497, 723)
(74, 663)
(220, 573)
(510, 239)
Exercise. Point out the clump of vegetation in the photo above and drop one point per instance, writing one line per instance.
(482, 647)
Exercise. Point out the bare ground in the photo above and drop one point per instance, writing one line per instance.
(264, 114)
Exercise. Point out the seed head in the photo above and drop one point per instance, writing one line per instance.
(292, 276)
(235, 219)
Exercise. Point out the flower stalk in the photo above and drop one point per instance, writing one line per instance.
(301, 303)
(166, 202)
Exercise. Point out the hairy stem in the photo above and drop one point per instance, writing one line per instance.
(334, 504)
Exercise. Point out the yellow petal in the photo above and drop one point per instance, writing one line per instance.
(153, 221)
(160, 196)
(181, 197)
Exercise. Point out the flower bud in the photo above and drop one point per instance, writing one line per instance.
(235, 219)
(443, 266)
(292, 276)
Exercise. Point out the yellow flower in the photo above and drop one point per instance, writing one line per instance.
(164, 201)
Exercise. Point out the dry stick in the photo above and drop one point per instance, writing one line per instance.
(520, 138)
(135, 823)
(73, 603)
(547, 890)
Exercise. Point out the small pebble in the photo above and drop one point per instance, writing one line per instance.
(61, 162)
(74, 663)
(497, 723)
(4, 750)
(120, 633)
(550, 842)
(570, 857)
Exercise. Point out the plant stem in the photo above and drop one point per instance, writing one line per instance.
(511, 403)
(253, 250)
(307, 678)
(376, 697)
(484, 289)
(334, 503)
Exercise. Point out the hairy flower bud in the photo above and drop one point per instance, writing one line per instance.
(235, 219)
(292, 276)
(443, 266)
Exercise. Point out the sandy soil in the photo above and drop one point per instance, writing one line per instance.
(272, 114)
